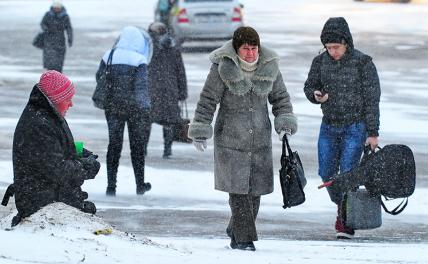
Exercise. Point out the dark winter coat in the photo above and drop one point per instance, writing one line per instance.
(167, 81)
(352, 83)
(129, 87)
(242, 132)
(45, 163)
(54, 25)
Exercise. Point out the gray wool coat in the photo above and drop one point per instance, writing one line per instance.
(242, 132)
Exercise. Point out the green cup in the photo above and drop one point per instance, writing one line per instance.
(79, 148)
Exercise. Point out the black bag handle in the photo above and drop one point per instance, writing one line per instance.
(286, 146)
(398, 209)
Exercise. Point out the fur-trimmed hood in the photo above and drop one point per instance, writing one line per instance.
(233, 76)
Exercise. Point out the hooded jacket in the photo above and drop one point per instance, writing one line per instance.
(352, 83)
(129, 87)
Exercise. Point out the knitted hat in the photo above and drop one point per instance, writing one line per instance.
(56, 86)
(56, 4)
(331, 37)
(245, 35)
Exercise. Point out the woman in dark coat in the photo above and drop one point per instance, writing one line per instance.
(128, 102)
(46, 165)
(167, 83)
(244, 77)
(344, 81)
(54, 23)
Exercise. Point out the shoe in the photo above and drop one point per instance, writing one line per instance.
(89, 207)
(111, 191)
(166, 156)
(241, 245)
(145, 188)
(342, 231)
(249, 246)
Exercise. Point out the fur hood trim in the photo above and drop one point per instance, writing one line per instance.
(232, 74)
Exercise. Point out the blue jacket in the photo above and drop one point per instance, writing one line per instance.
(129, 87)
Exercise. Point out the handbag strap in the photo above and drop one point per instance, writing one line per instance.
(286, 147)
(398, 209)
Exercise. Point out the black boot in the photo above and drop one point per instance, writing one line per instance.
(111, 191)
(144, 188)
(89, 207)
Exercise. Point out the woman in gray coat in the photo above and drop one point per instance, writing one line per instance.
(244, 76)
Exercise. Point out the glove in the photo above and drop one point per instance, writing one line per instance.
(86, 153)
(91, 165)
(282, 133)
(200, 144)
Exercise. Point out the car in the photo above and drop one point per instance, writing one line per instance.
(384, 1)
(201, 20)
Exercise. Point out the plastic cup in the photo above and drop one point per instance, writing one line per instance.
(79, 148)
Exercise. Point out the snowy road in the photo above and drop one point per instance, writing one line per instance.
(183, 202)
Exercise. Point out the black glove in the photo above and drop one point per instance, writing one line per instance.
(86, 153)
(91, 165)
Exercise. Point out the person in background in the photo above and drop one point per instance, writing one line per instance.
(128, 102)
(167, 83)
(243, 77)
(54, 23)
(46, 166)
(344, 81)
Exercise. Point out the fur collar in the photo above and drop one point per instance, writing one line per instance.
(232, 75)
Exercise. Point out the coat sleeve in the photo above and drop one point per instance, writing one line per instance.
(209, 98)
(371, 90)
(49, 158)
(69, 30)
(282, 108)
(44, 23)
(313, 82)
(181, 73)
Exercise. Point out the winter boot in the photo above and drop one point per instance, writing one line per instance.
(111, 191)
(144, 188)
(89, 207)
(342, 231)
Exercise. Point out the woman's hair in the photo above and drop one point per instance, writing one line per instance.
(245, 35)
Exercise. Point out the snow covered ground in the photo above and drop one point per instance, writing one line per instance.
(182, 220)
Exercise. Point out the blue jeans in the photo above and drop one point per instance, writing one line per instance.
(339, 151)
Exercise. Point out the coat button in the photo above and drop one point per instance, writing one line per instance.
(249, 154)
(250, 131)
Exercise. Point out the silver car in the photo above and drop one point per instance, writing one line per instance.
(203, 19)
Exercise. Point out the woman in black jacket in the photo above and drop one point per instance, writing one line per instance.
(46, 165)
(53, 24)
(167, 83)
(128, 102)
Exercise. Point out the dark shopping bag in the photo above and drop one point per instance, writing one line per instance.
(103, 85)
(182, 127)
(39, 40)
(291, 176)
(388, 172)
(361, 210)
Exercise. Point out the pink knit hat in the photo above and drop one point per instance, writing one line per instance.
(56, 86)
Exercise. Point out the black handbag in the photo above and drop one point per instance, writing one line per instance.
(182, 127)
(291, 176)
(103, 85)
(39, 40)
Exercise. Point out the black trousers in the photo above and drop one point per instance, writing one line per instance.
(168, 138)
(242, 224)
(138, 128)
